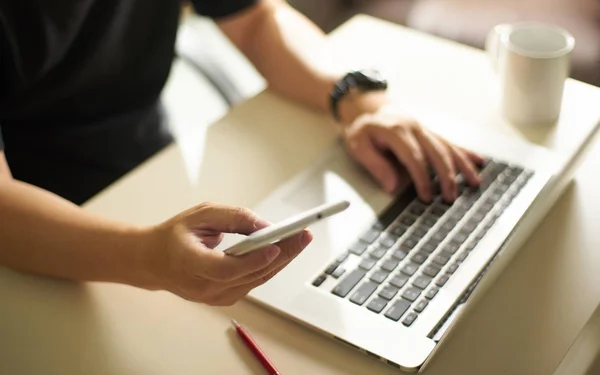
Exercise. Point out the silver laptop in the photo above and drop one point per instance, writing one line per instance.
(389, 276)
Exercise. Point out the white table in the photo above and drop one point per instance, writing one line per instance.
(524, 325)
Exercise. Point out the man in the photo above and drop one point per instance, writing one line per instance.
(79, 107)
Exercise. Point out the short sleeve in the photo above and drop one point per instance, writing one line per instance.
(1, 140)
(221, 8)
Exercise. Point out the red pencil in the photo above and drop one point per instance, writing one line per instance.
(253, 346)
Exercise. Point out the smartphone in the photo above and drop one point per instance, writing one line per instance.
(287, 228)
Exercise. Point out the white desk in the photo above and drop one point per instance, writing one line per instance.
(524, 325)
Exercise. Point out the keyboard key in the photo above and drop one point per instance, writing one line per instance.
(442, 280)
(431, 270)
(420, 231)
(389, 265)
(450, 248)
(363, 293)
(338, 272)
(410, 242)
(449, 224)
(408, 220)
(331, 269)
(471, 245)
(399, 281)
(419, 257)
(349, 282)
(397, 309)
(429, 220)
(398, 230)
(513, 171)
(358, 248)
(370, 236)
(501, 188)
(409, 319)
(399, 254)
(378, 252)
(438, 210)
(378, 276)
(438, 237)
(378, 226)
(388, 292)
(460, 238)
(387, 241)
(452, 268)
(443, 231)
(431, 292)
(410, 269)
(417, 208)
(428, 247)
(478, 216)
(341, 258)
(411, 294)
(422, 282)
(470, 225)
(486, 207)
(492, 199)
(421, 305)
(367, 264)
(462, 256)
(376, 305)
(319, 280)
(441, 259)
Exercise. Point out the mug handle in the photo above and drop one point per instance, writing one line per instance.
(493, 45)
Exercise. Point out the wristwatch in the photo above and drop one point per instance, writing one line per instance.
(361, 80)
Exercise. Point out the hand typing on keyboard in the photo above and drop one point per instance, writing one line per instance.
(413, 248)
(372, 136)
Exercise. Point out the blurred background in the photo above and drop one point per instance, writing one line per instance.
(224, 77)
(469, 21)
(229, 76)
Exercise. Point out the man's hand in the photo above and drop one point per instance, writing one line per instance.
(372, 138)
(187, 265)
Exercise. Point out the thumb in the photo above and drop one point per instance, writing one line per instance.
(221, 267)
(224, 218)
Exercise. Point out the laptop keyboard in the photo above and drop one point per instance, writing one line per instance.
(414, 248)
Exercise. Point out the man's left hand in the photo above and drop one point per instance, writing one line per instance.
(372, 138)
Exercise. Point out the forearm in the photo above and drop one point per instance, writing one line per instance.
(293, 56)
(44, 234)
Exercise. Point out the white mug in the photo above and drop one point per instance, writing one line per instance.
(533, 61)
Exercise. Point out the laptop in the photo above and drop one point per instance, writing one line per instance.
(389, 276)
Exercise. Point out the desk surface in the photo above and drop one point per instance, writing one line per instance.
(524, 325)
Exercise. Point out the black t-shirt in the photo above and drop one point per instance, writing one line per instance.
(80, 82)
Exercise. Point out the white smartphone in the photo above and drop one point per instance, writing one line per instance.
(287, 228)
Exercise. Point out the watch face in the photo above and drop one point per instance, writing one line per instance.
(371, 74)
(370, 79)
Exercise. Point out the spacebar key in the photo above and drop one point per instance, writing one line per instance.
(349, 282)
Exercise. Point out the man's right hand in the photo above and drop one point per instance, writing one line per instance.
(185, 263)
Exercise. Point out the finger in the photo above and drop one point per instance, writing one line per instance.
(442, 161)
(210, 240)
(408, 151)
(371, 158)
(224, 218)
(290, 249)
(465, 165)
(235, 293)
(218, 266)
(473, 156)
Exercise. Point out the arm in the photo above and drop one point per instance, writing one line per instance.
(292, 54)
(44, 234)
